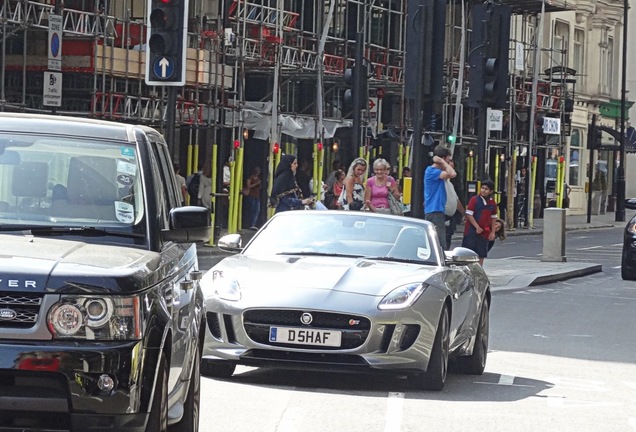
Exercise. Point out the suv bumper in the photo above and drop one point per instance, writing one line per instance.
(60, 385)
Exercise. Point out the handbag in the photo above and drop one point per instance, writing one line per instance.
(394, 205)
(451, 199)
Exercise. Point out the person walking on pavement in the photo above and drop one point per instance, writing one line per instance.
(435, 189)
(205, 187)
(457, 209)
(286, 194)
(181, 183)
(352, 197)
(379, 186)
(253, 185)
(500, 232)
(193, 184)
(481, 217)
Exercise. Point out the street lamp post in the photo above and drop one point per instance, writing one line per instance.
(620, 174)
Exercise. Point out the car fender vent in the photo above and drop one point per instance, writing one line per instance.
(214, 325)
(409, 336)
(365, 263)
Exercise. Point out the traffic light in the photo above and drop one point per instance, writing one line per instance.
(594, 141)
(450, 139)
(166, 42)
(357, 81)
(488, 77)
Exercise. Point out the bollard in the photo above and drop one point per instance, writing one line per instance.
(554, 235)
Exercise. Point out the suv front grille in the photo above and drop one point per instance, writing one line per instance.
(19, 310)
(355, 329)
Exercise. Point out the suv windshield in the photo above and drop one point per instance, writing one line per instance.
(69, 182)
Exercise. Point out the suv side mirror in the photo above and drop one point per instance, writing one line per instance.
(188, 224)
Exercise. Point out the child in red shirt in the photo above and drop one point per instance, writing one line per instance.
(481, 214)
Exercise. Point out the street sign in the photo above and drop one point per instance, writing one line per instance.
(373, 105)
(495, 119)
(52, 93)
(551, 125)
(163, 68)
(55, 42)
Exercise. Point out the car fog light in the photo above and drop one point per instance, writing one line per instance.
(66, 319)
(105, 383)
(634, 244)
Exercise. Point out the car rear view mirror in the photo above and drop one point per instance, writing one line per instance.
(9, 157)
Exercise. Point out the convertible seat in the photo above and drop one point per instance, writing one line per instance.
(406, 244)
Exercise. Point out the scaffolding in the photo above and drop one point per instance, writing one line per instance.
(256, 70)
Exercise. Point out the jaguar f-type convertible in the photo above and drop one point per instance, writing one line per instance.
(346, 291)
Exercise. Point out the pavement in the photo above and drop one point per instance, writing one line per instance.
(508, 274)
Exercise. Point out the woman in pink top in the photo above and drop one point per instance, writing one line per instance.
(379, 187)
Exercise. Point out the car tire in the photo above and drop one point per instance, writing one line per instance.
(191, 408)
(627, 273)
(217, 369)
(158, 416)
(476, 363)
(435, 376)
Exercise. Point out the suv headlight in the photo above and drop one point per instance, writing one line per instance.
(402, 297)
(631, 227)
(95, 318)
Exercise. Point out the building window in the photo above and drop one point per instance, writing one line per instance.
(607, 60)
(578, 57)
(574, 163)
(560, 44)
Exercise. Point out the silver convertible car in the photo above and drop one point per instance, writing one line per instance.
(346, 291)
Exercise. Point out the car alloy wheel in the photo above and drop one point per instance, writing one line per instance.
(476, 363)
(158, 416)
(191, 408)
(435, 376)
(627, 272)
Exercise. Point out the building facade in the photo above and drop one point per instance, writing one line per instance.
(269, 75)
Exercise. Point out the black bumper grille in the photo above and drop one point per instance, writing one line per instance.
(18, 310)
(355, 329)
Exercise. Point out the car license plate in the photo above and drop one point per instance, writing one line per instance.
(305, 336)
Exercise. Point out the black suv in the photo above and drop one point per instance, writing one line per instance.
(628, 260)
(101, 314)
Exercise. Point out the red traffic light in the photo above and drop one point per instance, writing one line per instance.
(237, 144)
(319, 146)
(276, 148)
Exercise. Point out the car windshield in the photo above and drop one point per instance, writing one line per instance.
(356, 234)
(69, 182)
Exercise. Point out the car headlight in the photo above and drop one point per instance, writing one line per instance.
(631, 227)
(402, 297)
(95, 318)
(226, 288)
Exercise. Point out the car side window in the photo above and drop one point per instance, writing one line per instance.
(163, 206)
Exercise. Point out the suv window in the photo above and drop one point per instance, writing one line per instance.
(64, 181)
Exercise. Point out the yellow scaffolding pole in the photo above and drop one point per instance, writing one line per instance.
(530, 197)
(496, 191)
(213, 198)
(560, 181)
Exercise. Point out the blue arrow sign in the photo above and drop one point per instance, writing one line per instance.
(163, 68)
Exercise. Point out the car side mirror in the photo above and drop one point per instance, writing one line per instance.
(231, 243)
(188, 224)
(461, 256)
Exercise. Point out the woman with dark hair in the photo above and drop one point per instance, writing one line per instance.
(286, 194)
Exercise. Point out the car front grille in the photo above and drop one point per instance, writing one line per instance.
(355, 329)
(19, 310)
